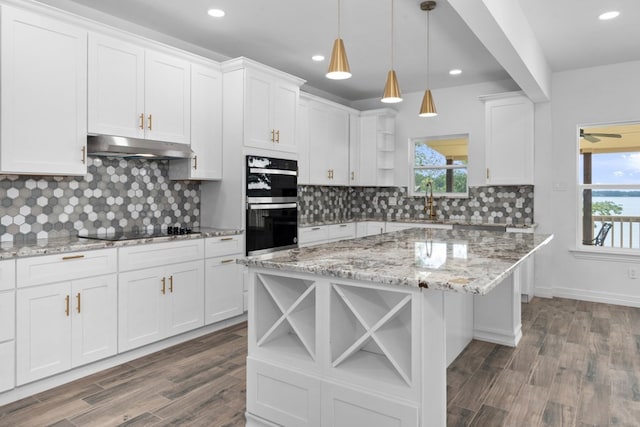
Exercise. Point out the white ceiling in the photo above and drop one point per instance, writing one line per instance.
(286, 33)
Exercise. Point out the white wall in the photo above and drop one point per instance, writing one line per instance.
(459, 112)
(588, 96)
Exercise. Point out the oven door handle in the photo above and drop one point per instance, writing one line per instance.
(273, 171)
(267, 206)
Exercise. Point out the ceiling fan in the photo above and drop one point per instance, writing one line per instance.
(592, 136)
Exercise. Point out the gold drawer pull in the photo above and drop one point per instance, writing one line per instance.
(141, 120)
(226, 239)
(226, 261)
(171, 283)
(67, 258)
(78, 299)
(315, 228)
(66, 310)
(195, 162)
(150, 120)
(164, 287)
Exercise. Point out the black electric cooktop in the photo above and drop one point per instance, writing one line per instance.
(138, 234)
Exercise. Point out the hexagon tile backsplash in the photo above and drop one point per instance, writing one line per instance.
(114, 195)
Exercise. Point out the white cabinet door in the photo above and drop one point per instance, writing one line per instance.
(43, 91)
(206, 127)
(338, 146)
(223, 289)
(141, 299)
(185, 307)
(94, 327)
(328, 144)
(43, 338)
(7, 316)
(7, 365)
(509, 140)
(167, 98)
(116, 87)
(270, 112)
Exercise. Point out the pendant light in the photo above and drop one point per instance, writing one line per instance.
(428, 108)
(339, 65)
(391, 88)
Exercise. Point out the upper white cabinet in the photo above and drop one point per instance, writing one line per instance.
(509, 139)
(262, 103)
(43, 92)
(373, 151)
(138, 92)
(206, 127)
(328, 133)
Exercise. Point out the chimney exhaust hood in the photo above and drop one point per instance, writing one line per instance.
(119, 146)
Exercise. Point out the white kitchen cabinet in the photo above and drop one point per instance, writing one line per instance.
(328, 127)
(138, 92)
(7, 365)
(312, 235)
(43, 95)
(509, 149)
(369, 228)
(224, 291)
(342, 231)
(161, 291)
(374, 150)
(7, 324)
(266, 102)
(206, 127)
(64, 325)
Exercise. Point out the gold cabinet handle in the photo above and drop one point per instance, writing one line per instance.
(278, 136)
(171, 283)
(67, 258)
(78, 300)
(66, 301)
(329, 173)
(315, 228)
(273, 135)
(195, 162)
(141, 120)
(84, 155)
(164, 286)
(226, 239)
(150, 122)
(488, 173)
(353, 176)
(226, 261)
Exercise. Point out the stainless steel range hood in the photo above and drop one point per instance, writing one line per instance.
(118, 146)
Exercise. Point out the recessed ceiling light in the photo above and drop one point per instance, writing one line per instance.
(609, 15)
(455, 72)
(216, 13)
(318, 58)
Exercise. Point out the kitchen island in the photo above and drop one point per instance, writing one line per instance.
(360, 332)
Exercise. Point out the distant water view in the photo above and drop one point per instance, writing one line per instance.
(630, 235)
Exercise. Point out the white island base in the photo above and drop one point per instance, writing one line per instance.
(327, 351)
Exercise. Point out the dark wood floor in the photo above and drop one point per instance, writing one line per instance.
(578, 364)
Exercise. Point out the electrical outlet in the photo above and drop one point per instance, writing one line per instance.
(393, 201)
(519, 203)
(632, 272)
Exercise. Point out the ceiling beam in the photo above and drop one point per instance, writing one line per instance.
(503, 29)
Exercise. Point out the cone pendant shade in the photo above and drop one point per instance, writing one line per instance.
(391, 89)
(428, 108)
(339, 65)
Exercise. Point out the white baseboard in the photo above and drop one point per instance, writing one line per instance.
(596, 296)
(544, 292)
(502, 337)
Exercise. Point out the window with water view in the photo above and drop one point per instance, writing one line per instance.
(609, 185)
(441, 162)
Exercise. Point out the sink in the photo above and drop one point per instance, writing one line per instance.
(484, 227)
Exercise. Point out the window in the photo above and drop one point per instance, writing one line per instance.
(609, 186)
(441, 161)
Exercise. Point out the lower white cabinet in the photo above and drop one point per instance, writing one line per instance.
(7, 365)
(64, 325)
(326, 233)
(224, 291)
(369, 228)
(159, 302)
(7, 328)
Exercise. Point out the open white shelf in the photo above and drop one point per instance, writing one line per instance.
(371, 328)
(286, 315)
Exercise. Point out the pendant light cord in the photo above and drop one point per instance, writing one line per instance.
(392, 20)
(428, 47)
(339, 25)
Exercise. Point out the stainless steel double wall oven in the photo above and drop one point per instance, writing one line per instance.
(272, 204)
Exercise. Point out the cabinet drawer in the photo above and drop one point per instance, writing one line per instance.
(308, 235)
(67, 266)
(7, 274)
(7, 315)
(342, 231)
(158, 254)
(223, 245)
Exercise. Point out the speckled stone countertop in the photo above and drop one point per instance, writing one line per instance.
(415, 221)
(469, 261)
(71, 244)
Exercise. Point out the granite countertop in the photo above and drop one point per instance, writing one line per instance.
(468, 261)
(415, 221)
(10, 250)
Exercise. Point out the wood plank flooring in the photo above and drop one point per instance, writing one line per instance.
(578, 365)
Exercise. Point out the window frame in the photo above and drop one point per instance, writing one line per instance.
(412, 166)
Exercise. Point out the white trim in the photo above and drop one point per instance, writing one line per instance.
(499, 336)
(612, 255)
(596, 296)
